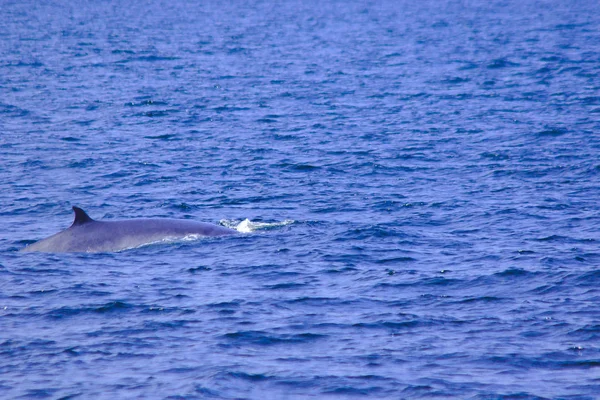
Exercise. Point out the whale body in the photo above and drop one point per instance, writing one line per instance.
(86, 235)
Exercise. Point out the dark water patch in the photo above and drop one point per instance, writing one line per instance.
(285, 286)
(483, 299)
(571, 26)
(23, 64)
(230, 304)
(293, 359)
(83, 123)
(591, 278)
(111, 307)
(118, 174)
(456, 80)
(114, 306)
(40, 393)
(268, 339)
(552, 132)
(249, 377)
(293, 167)
(512, 396)
(417, 391)
(122, 51)
(150, 59)
(235, 50)
(165, 137)
(284, 137)
(591, 100)
(70, 139)
(553, 238)
(501, 63)
(514, 273)
(266, 120)
(182, 207)
(312, 300)
(352, 391)
(64, 312)
(556, 207)
(589, 332)
(86, 163)
(199, 269)
(229, 108)
(9, 110)
(42, 269)
(202, 391)
(389, 205)
(548, 289)
(579, 364)
(387, 325)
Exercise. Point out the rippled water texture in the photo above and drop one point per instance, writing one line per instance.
(426, 176)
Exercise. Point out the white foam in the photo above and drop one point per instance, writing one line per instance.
(247, 226)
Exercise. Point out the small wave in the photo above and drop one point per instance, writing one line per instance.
(267, 339)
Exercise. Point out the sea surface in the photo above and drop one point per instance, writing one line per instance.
(420, 179)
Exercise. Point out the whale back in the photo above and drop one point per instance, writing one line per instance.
(91, 236)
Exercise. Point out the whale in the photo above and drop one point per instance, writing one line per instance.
(87, 235)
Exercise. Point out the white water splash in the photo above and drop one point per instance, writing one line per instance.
(247, 226)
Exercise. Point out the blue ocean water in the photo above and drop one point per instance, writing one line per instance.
(427, 173)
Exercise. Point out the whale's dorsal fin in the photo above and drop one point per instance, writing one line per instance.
(81, 217)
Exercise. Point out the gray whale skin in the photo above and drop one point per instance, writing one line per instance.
(89, 236)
